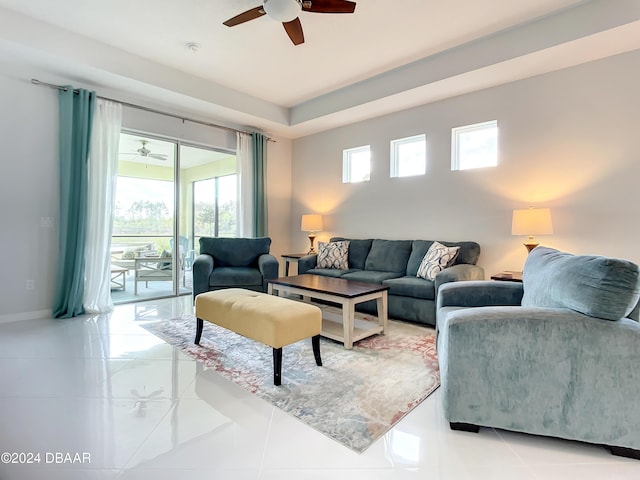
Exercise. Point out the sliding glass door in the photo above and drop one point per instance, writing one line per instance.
(209, 195)
(158, 222)
(214, 207)
(144, 222)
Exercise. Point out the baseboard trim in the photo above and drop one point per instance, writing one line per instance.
(18, 317)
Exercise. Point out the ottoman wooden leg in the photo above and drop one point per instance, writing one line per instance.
(277, 366)
(199, 325)
(315, 342)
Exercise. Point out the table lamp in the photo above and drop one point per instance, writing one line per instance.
(311, 223)
(531, 221)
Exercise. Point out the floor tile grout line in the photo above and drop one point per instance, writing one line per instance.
(174, 404)
(266, 443)
(513, 450)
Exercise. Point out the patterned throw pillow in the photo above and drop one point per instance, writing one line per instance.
(333, 255)
(437, 258)
(129, 255)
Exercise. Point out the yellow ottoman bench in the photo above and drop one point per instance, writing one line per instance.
(272, 320)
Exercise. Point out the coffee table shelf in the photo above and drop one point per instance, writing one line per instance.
(332, 328)
(343, 328)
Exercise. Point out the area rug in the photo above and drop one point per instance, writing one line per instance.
(354, 398)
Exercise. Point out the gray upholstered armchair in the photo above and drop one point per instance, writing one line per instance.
(233, 262)
(556, 355)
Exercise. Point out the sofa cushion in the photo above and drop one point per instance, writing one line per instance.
(418, 249)
(389, 256)
(411, 287)
(370, 276)
(333, 255)
(437, 258)
(234, 276)
(358, 251)
(328, 272)
(468, 254)
(235, 252)
(597, 286)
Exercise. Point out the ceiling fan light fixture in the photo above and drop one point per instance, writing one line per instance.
(283, 10)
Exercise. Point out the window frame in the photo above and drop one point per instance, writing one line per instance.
(456, 133)
(347, 167)
(394, 155)
(216, 205)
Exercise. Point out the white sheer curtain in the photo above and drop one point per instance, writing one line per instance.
(244, 162)
(103, 171)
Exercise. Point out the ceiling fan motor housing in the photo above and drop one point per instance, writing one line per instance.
(283, 10)
(287, 12)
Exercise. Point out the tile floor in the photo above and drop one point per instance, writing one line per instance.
(101, 398)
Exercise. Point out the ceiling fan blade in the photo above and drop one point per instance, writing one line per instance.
(329, 6)
(157, 156)
(294, 30)
(245, 17)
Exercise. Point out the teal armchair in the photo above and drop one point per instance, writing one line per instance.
(556, 355)
(233, 263)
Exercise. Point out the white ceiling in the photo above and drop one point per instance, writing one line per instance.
(384, 57)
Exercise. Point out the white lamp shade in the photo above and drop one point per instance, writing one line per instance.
(311, 223)
(532, 221)
(282, 10)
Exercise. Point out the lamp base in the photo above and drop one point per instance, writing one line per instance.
(530, 246)
(312, 250)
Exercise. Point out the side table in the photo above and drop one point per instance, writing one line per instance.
(508, 276)
(289, 258)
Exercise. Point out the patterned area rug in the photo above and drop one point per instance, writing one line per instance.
(354, 398)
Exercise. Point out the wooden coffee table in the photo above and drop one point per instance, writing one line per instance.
(346, 293)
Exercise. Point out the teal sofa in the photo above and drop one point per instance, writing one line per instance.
(395, 263)
(557, 355)
(233, 263)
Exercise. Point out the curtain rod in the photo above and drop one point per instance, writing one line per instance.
(147, 109)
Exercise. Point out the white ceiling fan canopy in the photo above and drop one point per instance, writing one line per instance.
(282, 10)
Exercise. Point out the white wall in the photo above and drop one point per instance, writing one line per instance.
(29, 182)
(28, 191)
(568, 140)
(279, 196)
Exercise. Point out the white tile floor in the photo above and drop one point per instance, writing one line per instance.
(104, 388)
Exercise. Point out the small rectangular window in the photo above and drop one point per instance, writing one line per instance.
(409, 156)
(356, 164)
(474, 146)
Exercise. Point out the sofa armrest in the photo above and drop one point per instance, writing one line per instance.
(268, 266)
(307, 263)
(201, 270)
(480, 293)
(457, 273)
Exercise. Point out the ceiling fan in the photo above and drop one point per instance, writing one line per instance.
(287, 11)
(146, 153)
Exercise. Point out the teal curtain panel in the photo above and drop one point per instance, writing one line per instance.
(76, 113)
(259, 148)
